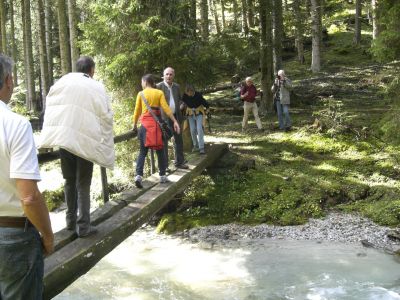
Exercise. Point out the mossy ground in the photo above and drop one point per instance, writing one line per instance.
(339, 163)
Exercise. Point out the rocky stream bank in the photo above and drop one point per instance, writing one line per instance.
(335, 227)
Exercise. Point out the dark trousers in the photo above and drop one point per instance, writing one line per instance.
(178, 146)
(143, 153)
(77, 173)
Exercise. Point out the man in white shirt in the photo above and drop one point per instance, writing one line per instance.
(173, 96)
(23, 212)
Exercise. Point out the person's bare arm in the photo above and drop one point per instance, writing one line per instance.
(36, 211)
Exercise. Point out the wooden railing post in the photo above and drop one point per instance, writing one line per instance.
(104, 184)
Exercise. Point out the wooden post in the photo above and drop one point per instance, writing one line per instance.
(152, 163)
(104, 184)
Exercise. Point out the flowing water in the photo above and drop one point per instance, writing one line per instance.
(149, 266)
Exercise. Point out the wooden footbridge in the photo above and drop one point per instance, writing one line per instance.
(115, 221)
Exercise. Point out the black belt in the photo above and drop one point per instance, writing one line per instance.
(16, 222)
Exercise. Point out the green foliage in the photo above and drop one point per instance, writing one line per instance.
(385, 212)
(333, 118)
(17, 103)
(387, 46)
(54, 198)
(198, 192)
(131, 38)
(137, 37)
(390, 124)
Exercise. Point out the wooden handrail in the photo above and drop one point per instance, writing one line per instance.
(53, 155)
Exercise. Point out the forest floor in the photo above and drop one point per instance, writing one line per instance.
(334, 159)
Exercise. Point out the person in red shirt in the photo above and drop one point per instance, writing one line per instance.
(248, 96)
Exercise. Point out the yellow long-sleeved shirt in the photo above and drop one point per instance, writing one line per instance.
(155, 98)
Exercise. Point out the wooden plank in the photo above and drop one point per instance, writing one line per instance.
(77, 257)
(64, 236)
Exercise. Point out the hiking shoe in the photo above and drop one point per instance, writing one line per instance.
(71, 227)
(138, 182)
(164, 179)
(182, 166)
(92, 231)
(202, 151)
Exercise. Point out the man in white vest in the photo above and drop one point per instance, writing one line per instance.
(23, 212)
(78, 119)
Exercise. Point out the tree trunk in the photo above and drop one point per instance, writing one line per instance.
(223, 14)
(65, 54)
(14, 53)
(73, 35)
(265, 54)
(235, 13)
(213, 8)
(277, 21)
(193, 14)
(44, 68)
(204, 19)
(357, 25)
(316, 36)
(3, 30)
(250, 13)
(48, 14)
(299, 31)
(29, 66)
(245, 25)
(375, 19)
(26, 65)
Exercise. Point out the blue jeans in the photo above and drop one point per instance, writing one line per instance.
(284, 120)
(196, 130)
(143, 153)
(21, 264)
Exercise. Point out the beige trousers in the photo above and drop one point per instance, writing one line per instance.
(250, 107)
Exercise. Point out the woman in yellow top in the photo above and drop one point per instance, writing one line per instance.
(156, 101)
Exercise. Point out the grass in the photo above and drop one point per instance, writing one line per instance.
(343, 165)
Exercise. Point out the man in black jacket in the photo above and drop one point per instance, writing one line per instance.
(173, 96)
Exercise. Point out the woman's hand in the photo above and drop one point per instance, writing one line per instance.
(176, 127)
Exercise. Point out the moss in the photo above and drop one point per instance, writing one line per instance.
(385, 212)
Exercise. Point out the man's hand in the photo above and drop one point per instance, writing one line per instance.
(48, 244)
(176, 127)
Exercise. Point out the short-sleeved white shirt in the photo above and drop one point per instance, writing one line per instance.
(18, 159)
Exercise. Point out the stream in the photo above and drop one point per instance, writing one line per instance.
(156, 266)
